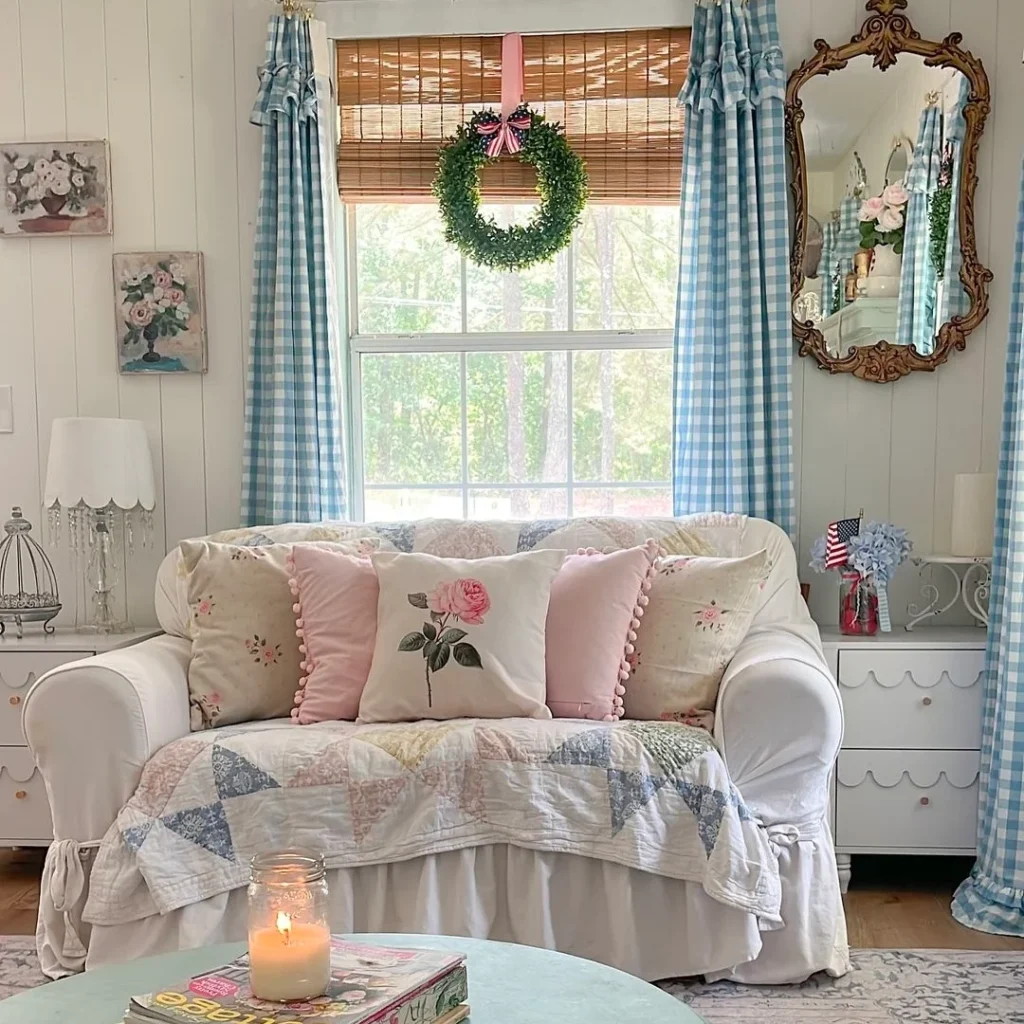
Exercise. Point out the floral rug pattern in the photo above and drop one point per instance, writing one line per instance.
(886, 986)
(19, 965)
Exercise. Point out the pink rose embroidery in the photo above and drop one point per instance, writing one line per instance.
(262, 651)
(204, 606)
(470, 601)
(709, 618)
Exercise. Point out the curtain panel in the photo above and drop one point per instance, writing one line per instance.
(992, 899)
(293, 459)
(732, 414)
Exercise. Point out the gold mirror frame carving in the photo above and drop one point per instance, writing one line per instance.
(884, 34)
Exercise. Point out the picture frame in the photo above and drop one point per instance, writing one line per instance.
(55, 188)
(160, 312)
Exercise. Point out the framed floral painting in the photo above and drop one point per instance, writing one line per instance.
(55, 188)
(160, 312)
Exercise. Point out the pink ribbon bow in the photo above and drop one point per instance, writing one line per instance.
(506, 132)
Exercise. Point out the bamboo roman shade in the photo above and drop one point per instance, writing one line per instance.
(615, 93)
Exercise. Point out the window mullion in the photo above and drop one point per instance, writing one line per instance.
(568, 433)
(463, 387)
(464, 312)
(570, 276)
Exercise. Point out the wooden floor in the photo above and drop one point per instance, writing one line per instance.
(893, 902)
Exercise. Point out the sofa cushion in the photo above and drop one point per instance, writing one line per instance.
(336, 608)
(459, 638)
(245, 654)
(590, 629)
(698, 613)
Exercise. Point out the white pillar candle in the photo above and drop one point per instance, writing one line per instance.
(289, 961)
(974, 510)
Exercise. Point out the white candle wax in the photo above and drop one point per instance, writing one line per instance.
(289, 961)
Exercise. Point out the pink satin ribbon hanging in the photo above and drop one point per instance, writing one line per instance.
(506, 133)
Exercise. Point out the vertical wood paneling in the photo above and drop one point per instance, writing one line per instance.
(131, 142)
(216, 161)
(19, 481)
(174, 205)
(53, 319)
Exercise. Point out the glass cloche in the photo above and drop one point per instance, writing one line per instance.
(28, 584)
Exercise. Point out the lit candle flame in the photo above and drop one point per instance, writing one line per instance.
(284, 926)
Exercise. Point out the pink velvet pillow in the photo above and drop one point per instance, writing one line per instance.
(596, 604)
(336, 622)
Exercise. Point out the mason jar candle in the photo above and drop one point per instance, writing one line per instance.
(289, 935)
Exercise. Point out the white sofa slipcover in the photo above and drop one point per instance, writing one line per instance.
(93, 725)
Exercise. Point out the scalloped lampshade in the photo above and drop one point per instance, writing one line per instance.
(96, 461)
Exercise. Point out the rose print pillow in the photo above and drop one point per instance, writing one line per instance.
(459, 638)
(698, 612)
(245, 654)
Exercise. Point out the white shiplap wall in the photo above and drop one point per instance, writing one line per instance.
(171, 82)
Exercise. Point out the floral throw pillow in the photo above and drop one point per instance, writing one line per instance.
(698, 613)
(245, 654)
(459, 638)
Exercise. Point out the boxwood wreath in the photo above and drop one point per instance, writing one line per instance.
(561, 185)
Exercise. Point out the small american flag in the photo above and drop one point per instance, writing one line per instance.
(836, 537)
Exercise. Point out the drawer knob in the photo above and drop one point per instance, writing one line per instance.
(925, 801)
(20, 795)
(14, 701)
(926, 701)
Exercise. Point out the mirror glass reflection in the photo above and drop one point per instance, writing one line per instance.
(883, 152)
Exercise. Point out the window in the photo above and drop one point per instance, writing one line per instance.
(483, 394)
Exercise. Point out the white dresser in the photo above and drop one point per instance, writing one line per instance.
(907, 776)
(24, 809)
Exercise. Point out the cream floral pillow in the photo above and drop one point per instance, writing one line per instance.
(459, 638)
(698, 612)
(245, 654)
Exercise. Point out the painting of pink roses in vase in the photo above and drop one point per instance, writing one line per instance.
(55, 188)
(464, 601)
(160, 312)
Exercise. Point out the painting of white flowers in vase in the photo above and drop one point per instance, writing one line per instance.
(160, 312)
(55, 188)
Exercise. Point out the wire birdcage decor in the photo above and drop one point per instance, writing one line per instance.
(28, 584)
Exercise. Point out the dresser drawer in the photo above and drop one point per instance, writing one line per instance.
(18, 671)
(24, 808)
(916, 799)
(912, 699)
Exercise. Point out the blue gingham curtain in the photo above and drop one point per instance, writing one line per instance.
(732, 417)
(992, 899)
(915, 319)
(292, 468)
(827, 267)
(847, 241)
(952, 298)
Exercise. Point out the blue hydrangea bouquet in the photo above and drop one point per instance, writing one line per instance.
(869, 555)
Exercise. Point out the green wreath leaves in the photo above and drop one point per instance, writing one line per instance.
(561, 185)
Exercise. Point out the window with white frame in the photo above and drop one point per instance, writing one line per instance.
(483, 394)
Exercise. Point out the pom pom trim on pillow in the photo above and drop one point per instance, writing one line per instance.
(307, 663)
(642, 600)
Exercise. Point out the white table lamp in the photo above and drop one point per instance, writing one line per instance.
(99, 488)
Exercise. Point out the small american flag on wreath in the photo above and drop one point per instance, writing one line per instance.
(837, 537)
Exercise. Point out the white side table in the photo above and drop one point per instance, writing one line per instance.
(24, 809)
(907, 777)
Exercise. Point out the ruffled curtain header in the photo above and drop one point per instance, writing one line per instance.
(287, 79)
(735, 57)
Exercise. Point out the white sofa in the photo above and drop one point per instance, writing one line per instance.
(93, 726)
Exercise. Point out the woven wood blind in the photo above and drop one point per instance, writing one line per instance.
(615, 93)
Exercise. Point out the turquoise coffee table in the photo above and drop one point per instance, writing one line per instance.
(508, 984)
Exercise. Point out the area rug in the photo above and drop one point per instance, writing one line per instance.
(886, 986)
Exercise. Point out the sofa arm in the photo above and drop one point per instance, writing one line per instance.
(93, 724)
(779, 724)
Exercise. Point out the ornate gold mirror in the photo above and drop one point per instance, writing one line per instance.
(882, 135)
